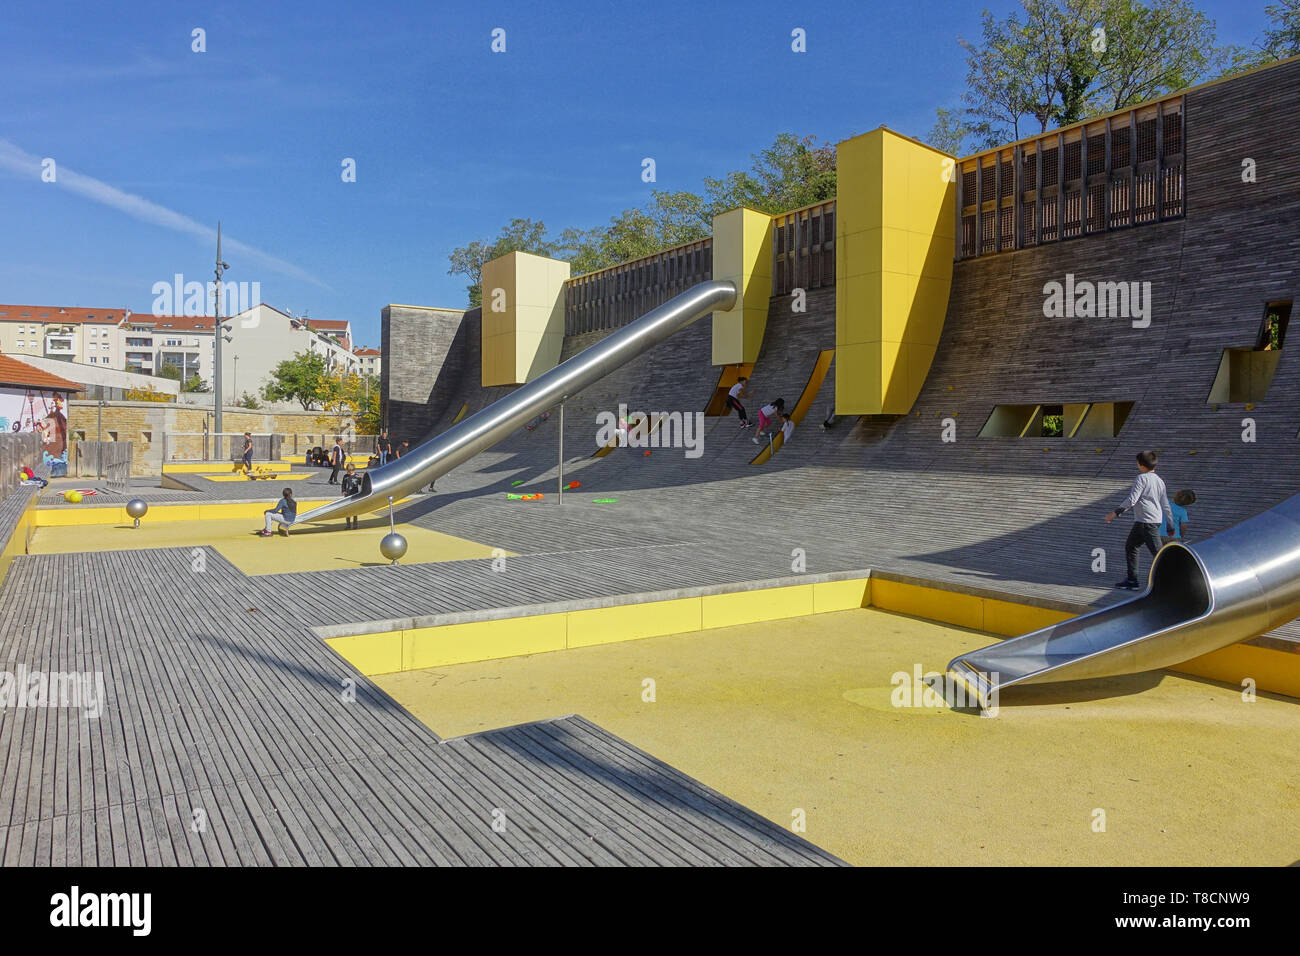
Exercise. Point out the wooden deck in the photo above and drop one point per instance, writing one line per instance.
(227, 738)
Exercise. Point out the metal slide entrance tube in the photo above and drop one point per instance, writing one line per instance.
(1237, 584)
(436, 456)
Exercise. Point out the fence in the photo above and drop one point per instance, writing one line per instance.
(109, 460)
(613, 297)
(267, 446)
(17, 450)
(1122, 170)
(803, 248)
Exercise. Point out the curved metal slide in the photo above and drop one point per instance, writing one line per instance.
(1237, 584)
(480, 431)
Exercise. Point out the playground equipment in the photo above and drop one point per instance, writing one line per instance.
(137, 508)
(393, 545)
(434, 458)
(1237, 584)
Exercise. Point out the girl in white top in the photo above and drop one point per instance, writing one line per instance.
(734, 395)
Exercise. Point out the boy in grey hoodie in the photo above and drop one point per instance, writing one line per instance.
(1150, 504)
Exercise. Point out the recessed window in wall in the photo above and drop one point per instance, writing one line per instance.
(1245, 374)
(1066, 420)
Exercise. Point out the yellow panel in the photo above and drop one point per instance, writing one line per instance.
(482, 640)
(1276, 672)
(857, 380)
(631, 622)
(963, 610)
(371, 653)
(1012, 620)
(841, 595)
(900, 190)
(896, 399)
(746, 607)
(742, 253)
(521, 342)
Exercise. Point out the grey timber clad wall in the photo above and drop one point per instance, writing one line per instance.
(1211, 275)
(424, 357)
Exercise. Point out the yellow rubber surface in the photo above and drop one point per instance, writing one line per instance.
(798, 715)
(307, 548)
(275, 476)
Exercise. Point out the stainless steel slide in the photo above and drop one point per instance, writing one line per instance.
(482, 430)
(1237, 584)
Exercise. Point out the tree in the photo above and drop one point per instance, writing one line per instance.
(949, 132)
(147, 394)
(339, 392)
(1058, 62)
(171, 371)
(297, 379)
(791, 173)
(194, 384)
(248, 401)
(522, 235)
(1280, 40)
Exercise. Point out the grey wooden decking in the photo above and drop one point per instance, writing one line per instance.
(223, 707)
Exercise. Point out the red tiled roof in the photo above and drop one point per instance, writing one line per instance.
(182, 323)
(327, 325)
(366, 352)
(65, 314)
(22, 375)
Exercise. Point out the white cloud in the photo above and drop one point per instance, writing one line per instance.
(137, 207)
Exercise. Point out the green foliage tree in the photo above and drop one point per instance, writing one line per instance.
(522, 235)
(793, 172)
(1280, 40)
(1057, 62)
(248, 400)
(194, 384)
(297, 379)
(171, 371)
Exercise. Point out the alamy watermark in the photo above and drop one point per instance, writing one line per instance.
(1085, 299)
(652, 430)
(179, 297)
(25, 688)
(933, 689)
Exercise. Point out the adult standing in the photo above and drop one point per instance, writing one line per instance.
(337, 458)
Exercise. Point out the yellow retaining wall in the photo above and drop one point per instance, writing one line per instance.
(415, 648)
(894, 243)
(387, 652)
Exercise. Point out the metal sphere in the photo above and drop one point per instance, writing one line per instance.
(393, 546)
(137, 507)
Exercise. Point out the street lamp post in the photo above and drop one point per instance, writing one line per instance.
(218, 332)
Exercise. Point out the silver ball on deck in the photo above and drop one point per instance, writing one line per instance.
(137, 508)
(393, 546)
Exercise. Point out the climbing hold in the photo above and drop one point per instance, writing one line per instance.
(573, 484)
(646, 453)
(515, 483)
(603, 501)
(1250, 406)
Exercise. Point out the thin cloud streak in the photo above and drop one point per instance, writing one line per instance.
(137, 207)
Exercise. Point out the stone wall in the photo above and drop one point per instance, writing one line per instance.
(426, 351)
(146, 423)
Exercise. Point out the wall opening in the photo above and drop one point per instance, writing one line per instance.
(1064, 420)
(1245, 374)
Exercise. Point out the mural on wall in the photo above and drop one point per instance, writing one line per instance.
(32, 410)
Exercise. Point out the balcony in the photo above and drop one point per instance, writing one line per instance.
(60, 345)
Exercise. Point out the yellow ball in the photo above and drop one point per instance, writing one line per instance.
(73, 496)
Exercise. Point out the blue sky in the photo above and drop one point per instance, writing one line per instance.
(153, 142)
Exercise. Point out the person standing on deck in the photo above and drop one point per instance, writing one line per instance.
(1149, 502)
(338, 458)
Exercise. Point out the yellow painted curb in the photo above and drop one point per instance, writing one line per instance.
(116, 514)
(388, 652)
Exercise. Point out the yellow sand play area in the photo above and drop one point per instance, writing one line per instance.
(797, 719)
(307, 548)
